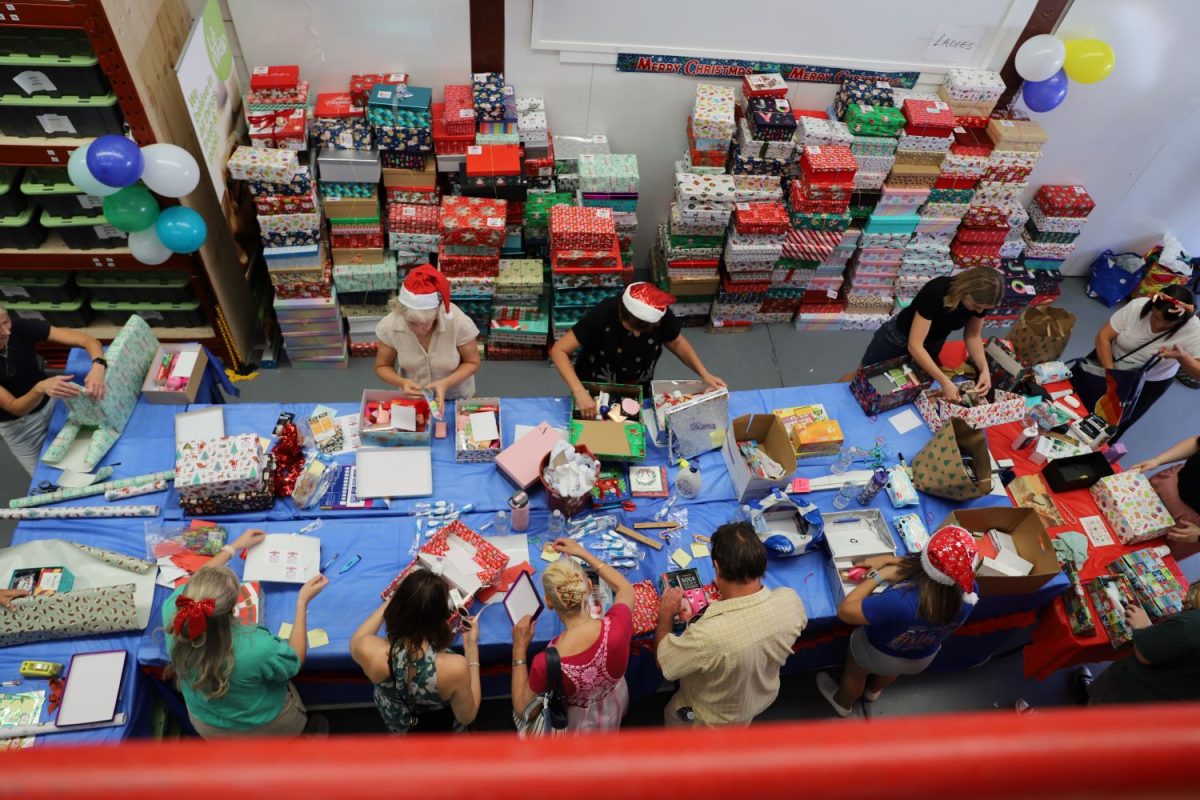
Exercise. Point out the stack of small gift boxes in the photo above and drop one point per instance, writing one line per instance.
(585, 261)
(224, 476)
(520, 312)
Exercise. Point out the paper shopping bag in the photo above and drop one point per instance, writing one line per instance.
(1041, 334)
(939, 468)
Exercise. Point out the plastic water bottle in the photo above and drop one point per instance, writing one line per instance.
(558, 524)
(500, 523)
(872, 487)
(847, 493)
(688, 480)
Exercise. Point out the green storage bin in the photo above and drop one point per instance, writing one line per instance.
(11, 201)
(60, 116)
(55, 193)
(49, 73)
(85, 233)
(137, 287)
(38, 287)
(73, 314)
(157, 315)
(21, 231)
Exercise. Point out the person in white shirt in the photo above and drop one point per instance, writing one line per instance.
(1162, 327)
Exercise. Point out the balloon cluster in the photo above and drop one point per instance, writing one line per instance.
(1046, 61)
(111, 167)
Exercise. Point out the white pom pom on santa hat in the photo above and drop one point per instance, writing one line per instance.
(424, 289)
(646, 301)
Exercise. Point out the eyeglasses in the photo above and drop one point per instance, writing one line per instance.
(1170, 305)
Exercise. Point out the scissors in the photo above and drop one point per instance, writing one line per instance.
(44, 487)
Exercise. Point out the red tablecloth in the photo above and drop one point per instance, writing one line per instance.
(1054, 646)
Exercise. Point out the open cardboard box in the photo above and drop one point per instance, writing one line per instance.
(390, 437)
(161, 394)
(606, 439)
(1029, 536)
(768, 431)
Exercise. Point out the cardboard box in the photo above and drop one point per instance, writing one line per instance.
(153, 393)
(390, 437)
(411, 179)
(1029, 537)
(618, 441)
(768, 431)
(466, 449)
(821, 438)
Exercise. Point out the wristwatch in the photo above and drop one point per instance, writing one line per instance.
(875, 576)
(101, 361)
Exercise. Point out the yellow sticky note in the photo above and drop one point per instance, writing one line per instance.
(550, 554)
(285, 630)
(317, 637)
(681, 558)
(699, 550)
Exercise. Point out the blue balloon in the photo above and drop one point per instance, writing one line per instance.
(180, 229)
(1046, 95)
(115, 161)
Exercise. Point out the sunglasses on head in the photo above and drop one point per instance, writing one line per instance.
(1170, 305)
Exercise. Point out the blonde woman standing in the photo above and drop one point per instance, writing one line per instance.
(235, 678)
(427, 343)
(943, 306)
(593, 652)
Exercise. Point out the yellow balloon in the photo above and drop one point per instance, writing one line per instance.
(1089, 60)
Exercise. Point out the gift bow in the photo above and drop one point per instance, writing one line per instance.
(194, 614)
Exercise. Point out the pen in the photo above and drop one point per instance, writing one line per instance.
(346, 567)
(332, 559)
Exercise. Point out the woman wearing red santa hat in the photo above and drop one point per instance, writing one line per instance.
(927, 596)
(427, 342)
(620, 341)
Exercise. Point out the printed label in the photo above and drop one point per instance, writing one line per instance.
(475, 150)
(32, 81)
(345, 139)
(600, 138)
(495, 222)
(9, 290)
(260, 70)
(814, 150)
(56, 123)
(604, 213)
(108, 232)
(408, 211)
(743, 206)
(466, 113)
(90, 201)
(831, 294)
(383, 94)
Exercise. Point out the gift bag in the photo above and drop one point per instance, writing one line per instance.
(1041, 334)
(936, 410)
(1115, 276)
(940, 470)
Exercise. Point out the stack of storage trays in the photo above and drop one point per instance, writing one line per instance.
(51, 85)
(53, 205)
(48, 296)
(20, 223)
(520, 312)
(163, 299)
(585, 262)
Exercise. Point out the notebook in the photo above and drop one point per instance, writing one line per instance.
(343, 493)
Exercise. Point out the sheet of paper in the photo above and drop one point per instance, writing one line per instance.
(93, 686)
(167, 576)
(349, 427)
(317, 637)
(483, 427)
(549, 553)
(394, 472)
(285, 630)
(283, 558)
(905, 421)
(404, 418)
(198, 426)
(699, 550)
(681, 558)
(332, 412)
(956, 44)
(1097, 532)
(185, 364)
(70, 479)
(76, 457)
(998, 487)
(513, 545)
(522, 599)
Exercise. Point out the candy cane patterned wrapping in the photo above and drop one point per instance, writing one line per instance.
(576, 228)
(135, 491)
(79, 512)
(89, 491)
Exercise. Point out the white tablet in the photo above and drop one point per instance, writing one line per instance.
(523, 599)
(93, 688)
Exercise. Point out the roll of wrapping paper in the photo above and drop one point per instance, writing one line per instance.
(88, 491)
(79, 512)
(135, 491)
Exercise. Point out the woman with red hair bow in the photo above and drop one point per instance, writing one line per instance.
(235, 678)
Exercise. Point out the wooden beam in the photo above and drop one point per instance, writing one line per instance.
(487, 35)
(1044, 19)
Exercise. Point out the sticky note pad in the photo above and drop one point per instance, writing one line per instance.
(681, 558)
(285, 630)
(699, 550)
(799, 486)
(550, 554)
(317, 637)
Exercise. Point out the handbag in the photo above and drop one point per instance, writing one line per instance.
(1041, 334)
(546, 714)
(1115, 276)
(1111, 393)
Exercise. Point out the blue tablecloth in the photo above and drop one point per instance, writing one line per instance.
(385, 539)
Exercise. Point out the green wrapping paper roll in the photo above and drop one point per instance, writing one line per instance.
(79, 512)
(89, 491)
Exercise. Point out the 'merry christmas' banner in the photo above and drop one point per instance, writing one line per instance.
(735, 68)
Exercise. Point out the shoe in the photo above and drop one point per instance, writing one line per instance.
(870, 696)
(1187, 380)
(828, 688)
(318, 725)
(1083, 682)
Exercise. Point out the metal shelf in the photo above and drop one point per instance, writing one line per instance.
(59, 14)
(37, 151)
(54, 255)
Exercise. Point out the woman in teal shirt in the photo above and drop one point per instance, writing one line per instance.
(235, 678)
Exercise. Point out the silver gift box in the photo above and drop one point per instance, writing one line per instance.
(692, 427)
(348, 166)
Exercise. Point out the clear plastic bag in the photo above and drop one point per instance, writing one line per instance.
(168, 537)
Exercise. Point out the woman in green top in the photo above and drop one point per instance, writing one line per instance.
(235, 678)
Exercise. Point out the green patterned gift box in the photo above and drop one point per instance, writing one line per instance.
(537, 206)
(869, 120)
(819, 222)
(366, 277)
(1048, 237)
(398, 118)
(950, 195)
(796, 263)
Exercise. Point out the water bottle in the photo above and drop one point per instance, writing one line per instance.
(558, 524)
(843, 461)
(842, 499)
(519, 505)
(688, 480)
(500, 523)
(872, 487)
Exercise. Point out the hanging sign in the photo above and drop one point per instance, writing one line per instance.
(699, 67)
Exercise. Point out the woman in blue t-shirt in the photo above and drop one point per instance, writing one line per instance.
(901, 628)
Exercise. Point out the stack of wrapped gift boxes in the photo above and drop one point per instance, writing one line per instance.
(979, 237)
(818, 207)
(276, 108)
(224, 476)
(713, 121)
(401, 119)
(690, 245)
(1017, 147)
(339, 122)
(567, 150)
(1056, 218)
(452, 135)
(472, 233)
(520, 312)
(585, 261)
(494, 171)
(877, 265)
(610, 180)
(535, 229)
(755, 241)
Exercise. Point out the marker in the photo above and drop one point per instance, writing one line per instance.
(329, 563)
(11, 683)
(346, 568)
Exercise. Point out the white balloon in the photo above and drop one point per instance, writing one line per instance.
(81, 177)
(1040, 57)
(147, 248)
(170, 170)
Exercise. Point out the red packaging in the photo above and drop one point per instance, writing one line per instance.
(323, 287)
(971, 142)
(280, 77)
(769, 84)
(337, 105)
(831, 163)
(468, 266)
(927, 118)
(445, 143)
(971, 122)
(590, 261)
(356, 240)
(984, 216)
(1064, 201)
(360, 85)
(806, 245)
(1012, 173)
(420, 195)
(949, 180)
(804, 189)
(268, 204)
(761, 217)
(494, 159)
(414, 218)
(578, 228)
(809, 112)
(802, 205)
(478, 221)
(971, 235)
(458, 111)
(541, 167)
(283, 129)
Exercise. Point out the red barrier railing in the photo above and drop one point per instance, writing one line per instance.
(1117, 752)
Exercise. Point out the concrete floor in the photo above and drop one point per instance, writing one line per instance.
(765, 357)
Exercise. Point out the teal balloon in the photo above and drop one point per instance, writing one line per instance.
(82, 178)
(132, 209)
(181, 229)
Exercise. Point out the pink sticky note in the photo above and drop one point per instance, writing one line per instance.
(800, 486)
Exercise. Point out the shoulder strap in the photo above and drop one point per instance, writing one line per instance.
(554, 679)
(1144, 346)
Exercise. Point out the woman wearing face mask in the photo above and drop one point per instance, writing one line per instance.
(427, 343)
(1162, 328)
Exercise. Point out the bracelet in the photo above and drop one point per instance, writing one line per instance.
(472, 663)
(229, 547)
(518, 662)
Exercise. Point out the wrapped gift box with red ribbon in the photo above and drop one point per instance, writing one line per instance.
(578, 228)
(760, 217)
(266, 204)
(1064, 201)
(923, 118)
(282, 129)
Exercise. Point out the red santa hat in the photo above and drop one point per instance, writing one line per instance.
(424, 289)
(646, 301)
(950, 557)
